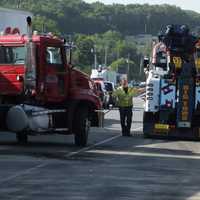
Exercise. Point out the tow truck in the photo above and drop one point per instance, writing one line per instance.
(40, 91)
(172, 102)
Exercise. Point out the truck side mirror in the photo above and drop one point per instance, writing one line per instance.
(145, 62)
(110, 106)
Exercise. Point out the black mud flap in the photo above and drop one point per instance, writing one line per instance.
(148, 124)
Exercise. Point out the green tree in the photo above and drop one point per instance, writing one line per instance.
(42, 24)
(80, 17)
(83, 56)
(122, 65)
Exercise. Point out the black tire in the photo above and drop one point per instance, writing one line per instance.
(22, 138)
(148, 124)
(82, 126)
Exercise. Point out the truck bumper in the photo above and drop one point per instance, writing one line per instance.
(175, 133)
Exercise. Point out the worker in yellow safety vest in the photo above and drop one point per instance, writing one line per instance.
(124, 96)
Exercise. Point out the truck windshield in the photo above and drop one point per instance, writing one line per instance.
(108, 86)
(12, 55)
(53, 55)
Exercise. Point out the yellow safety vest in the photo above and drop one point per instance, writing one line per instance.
(124, 99)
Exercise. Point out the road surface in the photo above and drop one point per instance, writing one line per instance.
(111, 167)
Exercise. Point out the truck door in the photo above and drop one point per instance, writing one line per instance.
(56, 78)
(12, 60)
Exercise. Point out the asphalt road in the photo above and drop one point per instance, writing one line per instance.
(111, 167)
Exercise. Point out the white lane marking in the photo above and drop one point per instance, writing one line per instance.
(159, 155)
(195, 196)
(96, 144)
(91, 146)
(25, 172)
(137, 129)
(28, 171)
(117, 129)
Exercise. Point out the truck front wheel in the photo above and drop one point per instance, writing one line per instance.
(82, 126)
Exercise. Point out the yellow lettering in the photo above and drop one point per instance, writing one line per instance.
(185, 113)
(185, 109)
(177, 61)
(185, 97)
(184, 118)
(186, 87)
(185, 103)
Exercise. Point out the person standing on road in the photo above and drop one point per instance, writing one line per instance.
(124, 95)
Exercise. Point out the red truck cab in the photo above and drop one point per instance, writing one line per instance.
(37, 84)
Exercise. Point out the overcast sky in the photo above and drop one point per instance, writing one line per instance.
(185, 4)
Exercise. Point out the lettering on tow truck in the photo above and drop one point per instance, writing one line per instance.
(185, 107)
(177, 62)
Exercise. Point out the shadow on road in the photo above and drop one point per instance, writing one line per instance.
(110, 122)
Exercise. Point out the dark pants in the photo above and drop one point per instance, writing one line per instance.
(126, 119)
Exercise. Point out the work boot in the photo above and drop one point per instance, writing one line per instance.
(124, 131)
(128, 132)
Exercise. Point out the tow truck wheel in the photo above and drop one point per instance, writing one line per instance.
(148, 124)
(82, 127)
(22, 138)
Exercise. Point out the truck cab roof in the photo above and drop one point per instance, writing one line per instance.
(22, 39)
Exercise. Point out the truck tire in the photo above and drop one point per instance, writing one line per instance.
(82, 126)
(148, 124)
(22, 138)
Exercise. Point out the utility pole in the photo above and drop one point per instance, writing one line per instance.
(106, 55)
(69, 45)
(70, 49)
(145, 28)
(43, 28)
(18, 4)
(94, 50)
(146, 25)
(141, 65)
(128, 64)
(95, 57)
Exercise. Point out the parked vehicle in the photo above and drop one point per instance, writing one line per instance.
(105, 75)
(110, 100)
(172, 104)
(101, 91)
(40, 92)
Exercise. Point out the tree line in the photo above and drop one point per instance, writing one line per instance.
(111, 49)
(101, 29)
(69, 16)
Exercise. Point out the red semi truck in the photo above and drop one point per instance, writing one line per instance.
(40, 92)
